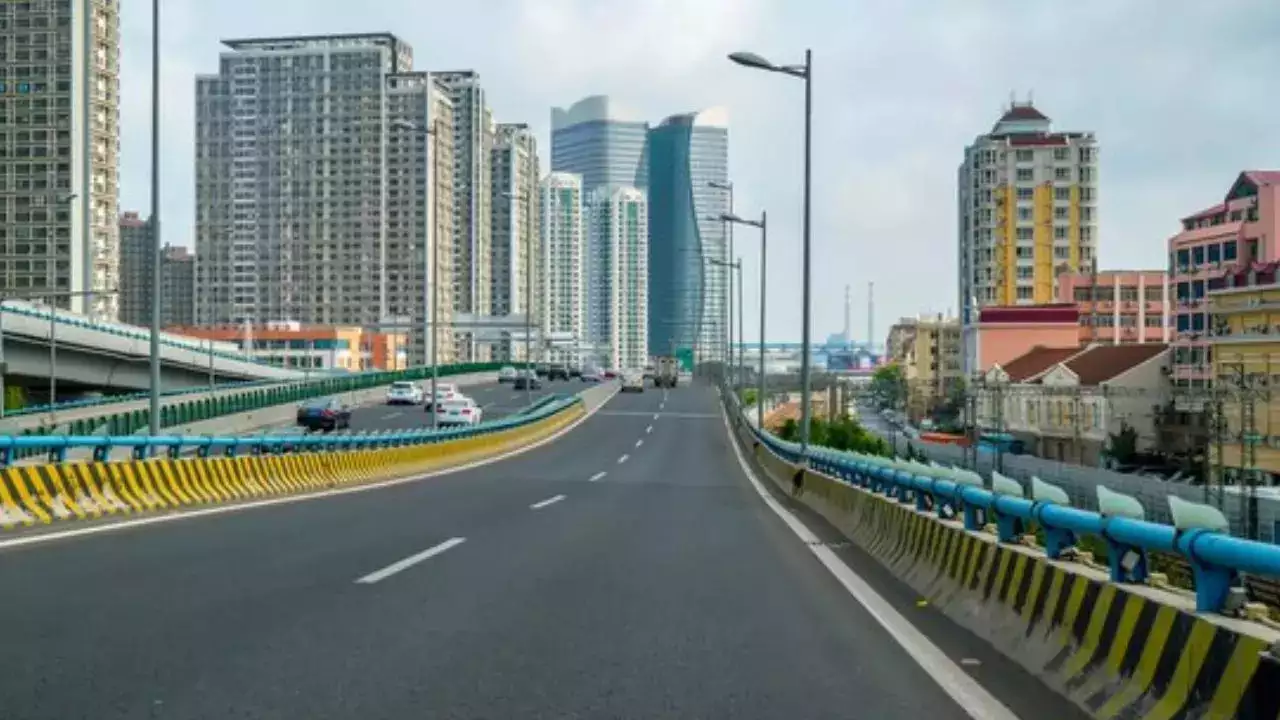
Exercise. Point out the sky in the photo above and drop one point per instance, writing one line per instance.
(1181, 94)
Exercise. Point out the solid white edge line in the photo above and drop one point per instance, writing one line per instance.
(221, 509)
(975, 700)
(598, 476)
(405, 564)
(549, 501)
(639, 442)
(623, 458)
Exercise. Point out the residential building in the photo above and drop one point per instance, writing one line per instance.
(137, 246)
(688, 291)
(291, 184)
(59, 202)
(514, 251)
(1004, 333)
(1244, 342)
(310, 347)
(563, 274)
(1244, 228)
(928, 349)
(1119, 306)
(420, 214)
(601, 141)
(1028, 213)
(473, 138)
(617, 268)
(177, 277)
(1066, 403)
(177, 286)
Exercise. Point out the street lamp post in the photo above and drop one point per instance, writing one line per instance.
(728, 230)
(523, 198)
(805, 72)
(732, 267)
(430, 262)
(763, 224)
(153, 421)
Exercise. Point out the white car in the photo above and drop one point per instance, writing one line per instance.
(632, 381)
(444, 393)
(404, 393)
(507, 374)
(459, 411)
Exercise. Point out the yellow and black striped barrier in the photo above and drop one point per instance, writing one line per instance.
(34, 494)
(1116, 651)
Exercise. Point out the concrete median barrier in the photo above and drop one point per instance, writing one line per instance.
(1117, 651)
(80, 490)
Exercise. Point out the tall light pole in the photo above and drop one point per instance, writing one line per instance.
(804, 72)
(514, 196)
(763, 224)
(153, 421)
(728, 231)
(430, 259)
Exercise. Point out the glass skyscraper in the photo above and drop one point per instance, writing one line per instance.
(687, 293)
(599, 141)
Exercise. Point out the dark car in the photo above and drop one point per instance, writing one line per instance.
(541, 369)
(557, 372)
(575, 371)
(527, 381)
(324, 414)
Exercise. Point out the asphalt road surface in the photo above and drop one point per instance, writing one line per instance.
(626, 570)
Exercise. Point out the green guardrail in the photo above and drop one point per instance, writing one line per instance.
(128, 422)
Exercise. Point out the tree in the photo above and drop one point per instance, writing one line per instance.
(889, 384)
(790, 430)
(1123, 445)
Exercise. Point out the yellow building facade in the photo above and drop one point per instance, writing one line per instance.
(1244, 336)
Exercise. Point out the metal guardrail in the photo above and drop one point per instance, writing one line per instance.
(57, 446)
(1217, 560)
(199, 409)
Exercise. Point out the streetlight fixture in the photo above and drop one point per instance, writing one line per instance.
(728, 230)
(805, 72)
(736, 369)
(430, 263)
(763, 224)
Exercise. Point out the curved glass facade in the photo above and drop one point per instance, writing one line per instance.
(687, 294)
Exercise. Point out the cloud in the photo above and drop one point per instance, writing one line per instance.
(1177, 91)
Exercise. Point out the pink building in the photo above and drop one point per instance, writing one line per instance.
(1132, 305)
(1003, 333)
(1243, 228)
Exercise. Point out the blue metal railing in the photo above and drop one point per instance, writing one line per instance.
(1217, 560)
(57, 446)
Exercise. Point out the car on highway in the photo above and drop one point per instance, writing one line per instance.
(404, 393)
(444, 392)
(324, 414)
(459, 411)
(632, 381)
(558, 371)
(507, 374)
(528, 380)
(592, 375)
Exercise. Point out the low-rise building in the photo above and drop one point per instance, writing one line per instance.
(1244, 339)
(1119, 306)
(1002, 333)
(311, 347)
(928, 349)
(1067, 403)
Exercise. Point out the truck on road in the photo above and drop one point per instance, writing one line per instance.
(665, 371)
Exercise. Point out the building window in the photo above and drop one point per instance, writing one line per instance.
(1062, 193)
(1025, 156)
(1026, 193)
(1059, 232)
(1229, 250)
(1024, 293)
(1062, 173)
(1025, 175)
